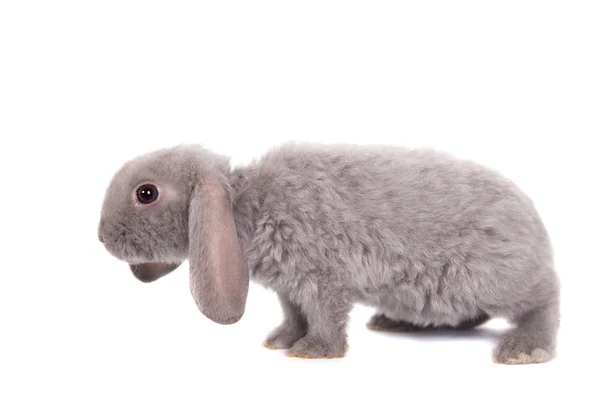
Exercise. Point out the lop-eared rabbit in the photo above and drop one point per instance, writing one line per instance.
(428, 240)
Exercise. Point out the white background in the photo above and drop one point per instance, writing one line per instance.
(86, 85)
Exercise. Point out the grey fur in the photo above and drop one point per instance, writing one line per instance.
(426, 238)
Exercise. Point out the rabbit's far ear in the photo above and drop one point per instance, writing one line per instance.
(218, 273)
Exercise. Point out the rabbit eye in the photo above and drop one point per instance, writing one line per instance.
(147, 194)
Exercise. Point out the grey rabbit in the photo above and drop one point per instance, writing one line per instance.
(429, 240)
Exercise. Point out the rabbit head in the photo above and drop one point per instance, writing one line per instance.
(172, 205)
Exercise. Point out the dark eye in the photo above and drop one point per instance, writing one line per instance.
(147, 194)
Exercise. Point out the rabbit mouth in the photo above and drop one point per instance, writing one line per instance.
(151, 271)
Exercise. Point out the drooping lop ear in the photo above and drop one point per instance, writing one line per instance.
(218, 273)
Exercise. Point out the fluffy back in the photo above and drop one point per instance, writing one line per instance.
(374, 221)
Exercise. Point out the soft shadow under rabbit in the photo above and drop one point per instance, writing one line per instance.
(429, 240)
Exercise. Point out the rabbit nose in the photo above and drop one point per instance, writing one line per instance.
(100, 237)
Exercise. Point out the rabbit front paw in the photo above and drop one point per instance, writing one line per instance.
(284, 336)
(318, 347)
